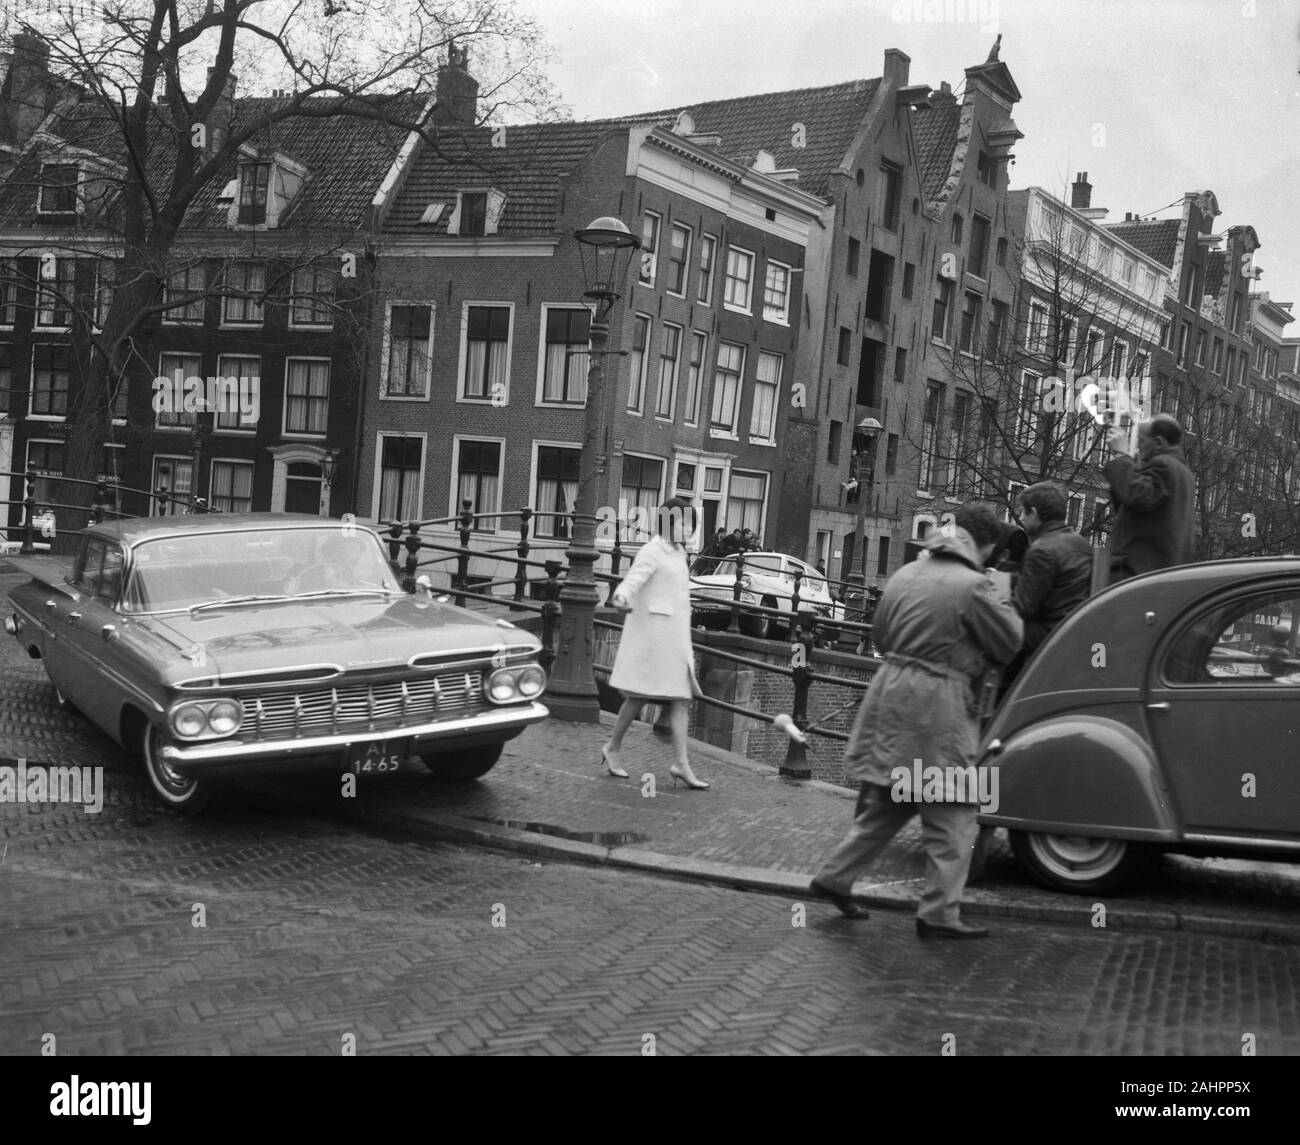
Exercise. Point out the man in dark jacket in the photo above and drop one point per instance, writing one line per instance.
(938, 625)
(1056, 573)
(1153, 497)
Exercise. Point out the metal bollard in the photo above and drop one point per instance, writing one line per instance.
(521, 568)
(796, 755)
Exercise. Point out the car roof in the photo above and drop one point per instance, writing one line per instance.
(133, 530)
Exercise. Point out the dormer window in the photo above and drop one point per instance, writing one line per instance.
(58, 189)
(254, 183)
(476, 213)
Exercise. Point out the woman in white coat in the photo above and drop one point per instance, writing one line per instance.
(654, 662)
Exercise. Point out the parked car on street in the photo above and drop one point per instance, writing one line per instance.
(262, 642)
(768, 580)
(1144, 725)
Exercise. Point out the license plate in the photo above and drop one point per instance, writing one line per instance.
(378, 757)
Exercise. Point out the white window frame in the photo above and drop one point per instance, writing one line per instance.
(540, 398)
(31, 383)
(314, 269)
(302, 435)
(705, 283)
(734, 472)
(487, 400)
(769, 438)
(733, 433)
(687, 251)
(172, 507)
(169, 317)
(244, 430)
(638, 410)
(1031, 398)
(8, 290)
(648, 264)
(180, 426)
(728, 278)
(691, 415)
(244, 461)
(779, 317)
(226, 299)
(493, 525)
(71, 299)
(386, 350)
(78, 203)
(534, 482)
(625, 511)
(378, 470)
(673, 382)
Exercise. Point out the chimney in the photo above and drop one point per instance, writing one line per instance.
(896, 67)
(1081, 192)
(218, 123)
(944, 94)
(29, 87)
(457, 91)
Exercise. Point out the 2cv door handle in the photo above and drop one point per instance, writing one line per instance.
(1160, 707)
(73, 617)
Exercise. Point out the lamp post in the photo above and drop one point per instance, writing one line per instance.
(865, 434)
(606, 248)
(329, 467)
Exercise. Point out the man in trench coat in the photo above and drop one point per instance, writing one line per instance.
(938, 625)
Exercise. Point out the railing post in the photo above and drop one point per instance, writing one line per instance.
(796, 756)
(794, 596)
(412, 555)
(29, 513)
(521, 569)
(395, 547)
(550, 615)
(734, 624)
(462, 557)
(615, 564)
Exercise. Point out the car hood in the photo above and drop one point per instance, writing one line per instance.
(355, 633)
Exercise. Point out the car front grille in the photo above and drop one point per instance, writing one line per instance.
(363, 707)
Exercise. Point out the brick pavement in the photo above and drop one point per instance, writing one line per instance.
(315, 931)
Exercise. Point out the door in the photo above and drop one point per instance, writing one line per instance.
(710, 518)
(1223, 707)
(302, 488)
(96, 689)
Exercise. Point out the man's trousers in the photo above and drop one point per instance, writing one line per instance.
(948, 831)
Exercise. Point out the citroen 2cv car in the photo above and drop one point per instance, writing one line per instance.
(264, 642)
(1164, 714)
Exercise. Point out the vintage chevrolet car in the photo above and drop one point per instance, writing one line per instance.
(262, 642)
(767, 580)
(1163, 715)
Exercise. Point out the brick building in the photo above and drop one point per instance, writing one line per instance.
(479, 380)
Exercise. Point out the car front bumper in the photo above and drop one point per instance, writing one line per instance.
(230, 755)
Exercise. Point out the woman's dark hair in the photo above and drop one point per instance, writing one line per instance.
(678, 509)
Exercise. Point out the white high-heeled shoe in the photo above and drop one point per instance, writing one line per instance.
(614, 769)
(687, 776)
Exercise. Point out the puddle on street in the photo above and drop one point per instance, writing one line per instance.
(602, 838)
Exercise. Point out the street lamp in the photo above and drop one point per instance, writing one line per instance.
(605, 248)
(329, 466)
(865, 434)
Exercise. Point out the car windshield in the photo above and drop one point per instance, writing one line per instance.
(187, 570)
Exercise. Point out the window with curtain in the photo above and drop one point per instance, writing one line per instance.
(669, 353)
(312, 299)
(306, 396)
(636, 377)
(708, 247)
(557, 489)
(487, 344)
(183, 294)
(679, 251)
(726, 387)
(244, 306)
(640, 489)
(567, 361)
(400, 463)
(231, 488)
(776, 293)
(176, 368)
(239, 390)
(410, 332)
(55, 295)
(767, 387)
(745, 501)
(738, 279)
(694, 377)
(8, 291)
(478, 479)
(51, 376)
(173, 476)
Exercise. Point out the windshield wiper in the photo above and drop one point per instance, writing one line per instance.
(233, 600)
(346, 592)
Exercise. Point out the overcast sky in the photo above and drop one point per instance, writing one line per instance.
(1152, 98)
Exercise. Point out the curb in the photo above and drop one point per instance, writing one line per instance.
(450, 828)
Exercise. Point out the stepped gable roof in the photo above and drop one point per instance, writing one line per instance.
(747, 124)
(1155, 237)
(935, 131)
(346, 158)
(528, 170)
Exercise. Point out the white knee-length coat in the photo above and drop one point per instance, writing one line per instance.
(654, 653)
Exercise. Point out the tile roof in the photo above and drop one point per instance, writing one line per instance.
(1214, 261)
(1155, 237)
(830, 115)
(346, 158)
(528, 170)
(935, 131)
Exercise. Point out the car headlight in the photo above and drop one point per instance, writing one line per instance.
(510, 685)
(530, 680)
(206, 719)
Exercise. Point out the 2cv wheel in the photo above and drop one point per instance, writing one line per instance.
(468, 763)
(1079, 863)
(191, 796)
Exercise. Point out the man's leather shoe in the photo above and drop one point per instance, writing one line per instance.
(849, 907)
(950, 930)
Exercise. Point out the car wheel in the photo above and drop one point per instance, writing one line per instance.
(188, 795)
(1079, 863)
(756, 625)
(468, 763)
